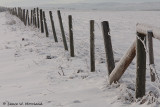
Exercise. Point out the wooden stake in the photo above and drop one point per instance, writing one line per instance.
(31, 16)
(35, 19)
(62, 30)
(141, 66)
(92, 53)
(45, 24)
(41, 20)
(38, 17)
(26, 17)
(151, 54)
(28, 20)
(71, 36)
(123, 64)
(108, 47)
(53, 27)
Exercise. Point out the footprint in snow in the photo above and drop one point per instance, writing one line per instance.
(50, 57)
(76, 101)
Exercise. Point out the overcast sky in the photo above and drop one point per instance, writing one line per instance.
(41, 2)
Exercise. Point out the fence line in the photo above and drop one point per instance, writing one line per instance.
(114, 72)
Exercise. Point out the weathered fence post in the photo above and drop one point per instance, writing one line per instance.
(71, 36)
(92, 46)
(53, 27)
(35, 19)
(31, 17)
(45, 24)
(21, 15)
(108, 47)
(28, 20)
(62, 30)
(38, 17)
(151, 54)
(12, 11)
(24, 17)
(41, 20)
(141, 66)
(123, 64)
(16, 12)
(19, 12)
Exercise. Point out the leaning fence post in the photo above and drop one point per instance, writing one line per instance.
(92, 56)
(123, 64)
(62, 30)
(53, 27)
(151, 54)
(41, 20)
(108, 47)
(45, 24)
(71, 36)
(141, 66)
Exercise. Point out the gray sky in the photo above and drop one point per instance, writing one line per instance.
(41, 2)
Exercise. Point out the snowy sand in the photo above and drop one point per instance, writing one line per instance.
(27, 76)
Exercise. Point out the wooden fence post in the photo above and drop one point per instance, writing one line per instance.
(62, 30)
(151, 54)
(38, 17)
(41, 20)
(141, 66)
(35, 19)
(45, 24)
(12, 11)
(71, 36)
(123, 64)
(92, 46)
(26, 18)
(31, 17)
(53, 27)
(21, 15)
(16, 11)
(108, 47)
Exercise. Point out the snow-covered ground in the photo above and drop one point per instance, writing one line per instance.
(26, 75)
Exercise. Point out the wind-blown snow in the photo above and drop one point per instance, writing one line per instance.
(36, 69)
